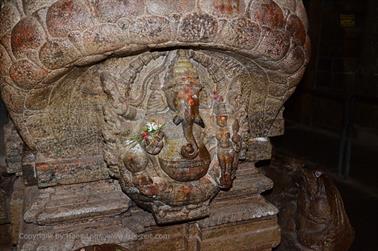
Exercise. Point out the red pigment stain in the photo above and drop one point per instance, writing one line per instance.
(227, 6)
(24, 34)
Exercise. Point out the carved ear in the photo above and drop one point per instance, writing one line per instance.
(171, 99)
(109, 85)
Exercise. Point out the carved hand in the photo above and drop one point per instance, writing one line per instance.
(155, 145)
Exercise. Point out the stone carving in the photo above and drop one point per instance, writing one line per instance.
(13, 148)
(228, 151)
(312, 211)
(143, 148)
(321, 209)
(164, 96)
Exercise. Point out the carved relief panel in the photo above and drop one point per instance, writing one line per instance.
(166, 96)
(172, 130)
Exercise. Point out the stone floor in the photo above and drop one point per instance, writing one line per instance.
(359, 191)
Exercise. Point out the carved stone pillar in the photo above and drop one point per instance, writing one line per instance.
(135, 115)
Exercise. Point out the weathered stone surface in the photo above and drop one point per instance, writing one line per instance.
(3, 211)
(241, 216)
(26, 74)
(31, 6)
(253, 235)
(76, 235)
(272, 107)
(301, 13)
(259, 149)
(113, 10)
(27, 35)
(297, 29)
(9, 18)
(223, 7)
(163, 96)
(103, 38)
(6, 187)
(274, 44)
(13, 148)
(65, 16)
(16, 207)
(70, 171)
(168, 7)
(72, 17)
(291, 5)
(152, 29)
(76, 202)
(197, 28)
(294, 60)
(36, 100)
(277, 90)
(5, 61)
(57, 53)
(226, 212)
(28, 168)
(278, 126)
(242, 33)
(267, 13)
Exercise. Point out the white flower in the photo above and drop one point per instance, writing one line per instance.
(152, 126)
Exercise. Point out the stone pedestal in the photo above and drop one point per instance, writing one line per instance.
(76, 216)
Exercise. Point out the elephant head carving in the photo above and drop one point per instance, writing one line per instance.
(168, 158)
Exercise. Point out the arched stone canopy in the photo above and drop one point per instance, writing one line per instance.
(42, 41)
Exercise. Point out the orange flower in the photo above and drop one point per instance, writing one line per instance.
(191, 101)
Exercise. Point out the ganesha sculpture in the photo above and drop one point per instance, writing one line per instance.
(171, 147)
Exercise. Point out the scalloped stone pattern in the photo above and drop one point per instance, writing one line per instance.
(43, 41)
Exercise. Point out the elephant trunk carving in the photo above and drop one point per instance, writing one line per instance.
(185, 101)
(188, 116)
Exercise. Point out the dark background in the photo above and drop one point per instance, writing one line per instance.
(335, 108)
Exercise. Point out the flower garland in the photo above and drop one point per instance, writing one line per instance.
(149, 131)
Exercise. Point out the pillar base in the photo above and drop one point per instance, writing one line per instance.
(76, 216)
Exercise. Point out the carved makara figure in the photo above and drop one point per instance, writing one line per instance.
(313, 216)
(321, 221)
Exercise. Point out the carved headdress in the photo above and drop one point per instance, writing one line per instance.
(183, 68)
